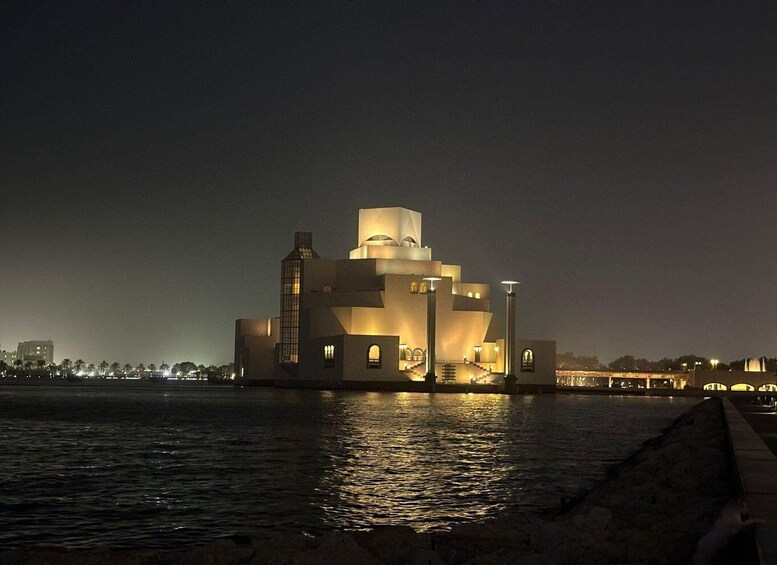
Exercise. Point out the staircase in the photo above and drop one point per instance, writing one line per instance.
(412, 369)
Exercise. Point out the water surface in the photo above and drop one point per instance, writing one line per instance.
(173, 467)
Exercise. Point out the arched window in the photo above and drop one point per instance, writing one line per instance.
(714, 386)
(408, 354)
(423, 287)
(327, 287)
(409, 242)
(373, 357)
(418, 354)
(477, 295)
(414, 287)
(527, 361)
(742, 386)
(768, 387)
(329, 356)
(469, 294)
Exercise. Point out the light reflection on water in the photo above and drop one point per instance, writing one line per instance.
(174, 467)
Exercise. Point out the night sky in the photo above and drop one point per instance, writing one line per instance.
(619, 158)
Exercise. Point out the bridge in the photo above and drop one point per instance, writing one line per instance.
(752, 381)
(622, 379)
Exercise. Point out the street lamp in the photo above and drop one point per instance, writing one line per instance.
(510, 336)
(431, 328)
(714, 363)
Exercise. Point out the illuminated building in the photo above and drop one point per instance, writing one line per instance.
(8, 357)
(36, 351)
(365, 318)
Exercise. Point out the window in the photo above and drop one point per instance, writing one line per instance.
(373, 357)
(743, 386)
(327, 287)
(714, 386)
(418, 354)
(408, 354)
(477, 295)
(329, 356)
(469, 295)
(414, 287)
(423, 288)
(527, 361)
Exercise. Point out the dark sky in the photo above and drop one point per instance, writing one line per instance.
(619, 158)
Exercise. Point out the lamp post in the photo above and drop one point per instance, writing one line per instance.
(714, 363)
(431, 330)
(510, 337)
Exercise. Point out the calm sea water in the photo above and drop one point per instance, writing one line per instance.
(173, 467)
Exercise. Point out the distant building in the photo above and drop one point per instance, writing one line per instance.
(36, 351)
(7, 356)
(365, 318)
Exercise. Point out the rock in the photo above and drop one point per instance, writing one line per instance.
(643, 547)
(422, 556)
(335, 547)
(392, 544)
(220, 552)
(279, 548)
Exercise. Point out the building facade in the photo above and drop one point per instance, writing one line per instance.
(8, 357)
(36, 351)
(365, 318)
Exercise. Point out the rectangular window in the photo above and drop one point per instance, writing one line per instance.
(329, 356)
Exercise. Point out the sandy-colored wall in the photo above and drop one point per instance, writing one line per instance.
(544, 362)
(255, 340)
(404, 315)
(355, 358)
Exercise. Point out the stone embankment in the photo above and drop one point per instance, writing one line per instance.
(653, 508)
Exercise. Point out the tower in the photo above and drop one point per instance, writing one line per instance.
(291, 285)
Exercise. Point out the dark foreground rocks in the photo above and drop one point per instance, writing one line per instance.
(653, 508)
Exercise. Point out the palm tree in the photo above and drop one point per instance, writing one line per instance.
(141, 369)
(90, 369)
(115, 368)
(66, 365)
(164, 367)
(127, 368)
(152, 368)
(3, 366)
(79, 365)
(103, 367)
(28, 366)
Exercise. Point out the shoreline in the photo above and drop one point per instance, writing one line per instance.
(386, 386)
(653, 506)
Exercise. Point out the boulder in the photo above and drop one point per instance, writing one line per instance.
(392, 544)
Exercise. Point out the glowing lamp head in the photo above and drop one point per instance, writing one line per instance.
(509, 284)
(432, 280)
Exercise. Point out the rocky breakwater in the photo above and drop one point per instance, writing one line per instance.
(652, 508)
